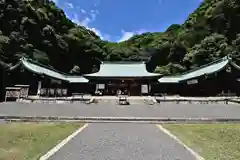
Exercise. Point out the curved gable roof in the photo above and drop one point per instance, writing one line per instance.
(197, 72)
(123, 69)
(44, 70)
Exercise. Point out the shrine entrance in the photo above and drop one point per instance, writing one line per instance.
(129, 78)
(123, 87)
(135, 90)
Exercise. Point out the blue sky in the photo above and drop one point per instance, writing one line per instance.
(118, 20)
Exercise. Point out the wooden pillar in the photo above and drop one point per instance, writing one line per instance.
(39, 88)
(149, 89)
(96, 89)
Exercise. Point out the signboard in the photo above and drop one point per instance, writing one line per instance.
(194, 81)
(101, 86)
(55, 81)
(145, 88)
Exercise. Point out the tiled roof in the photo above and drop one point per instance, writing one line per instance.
(43, 70)
(123, 69)
(210, 68)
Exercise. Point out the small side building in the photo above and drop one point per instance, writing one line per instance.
(41, 78)
(218, 78)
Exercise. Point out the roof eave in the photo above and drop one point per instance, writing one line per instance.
(169, 82)
(78, 82)
(100, 76)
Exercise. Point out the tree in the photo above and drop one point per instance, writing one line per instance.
(236, 49)
(40, 56)
(177, 52)
(210, 49)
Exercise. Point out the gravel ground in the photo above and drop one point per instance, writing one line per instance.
(122, 142)
(111, 110)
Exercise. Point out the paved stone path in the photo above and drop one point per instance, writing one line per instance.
(111, 110)
(122, 142)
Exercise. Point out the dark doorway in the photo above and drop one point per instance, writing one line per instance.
(135, 90)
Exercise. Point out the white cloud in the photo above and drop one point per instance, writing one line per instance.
(75, 19)
(90, 16)
(127, 35)
(98, 32)
(85, 22)
(70, 5)
(101, 35)
(83, 11)
(94, 11)
(87, 19)
(55, 1)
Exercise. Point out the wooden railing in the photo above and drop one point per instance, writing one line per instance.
(12, 92)
(53, 92)
(23, 91)
(17, 92)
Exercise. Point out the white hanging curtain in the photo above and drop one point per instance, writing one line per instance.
(145, 88)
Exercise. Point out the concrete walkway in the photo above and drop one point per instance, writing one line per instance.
(122, 142)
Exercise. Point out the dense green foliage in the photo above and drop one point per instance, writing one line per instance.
(212, 31)
(41, 31)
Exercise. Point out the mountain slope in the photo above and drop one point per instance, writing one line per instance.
(41, 31)
(208, 33)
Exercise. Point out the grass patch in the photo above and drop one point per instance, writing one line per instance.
(29, 141)
(212, 141)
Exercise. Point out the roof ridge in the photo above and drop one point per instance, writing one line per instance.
(123, 62)
(75, 76)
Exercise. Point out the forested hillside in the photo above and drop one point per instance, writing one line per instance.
(212, 31)
(41, 31)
